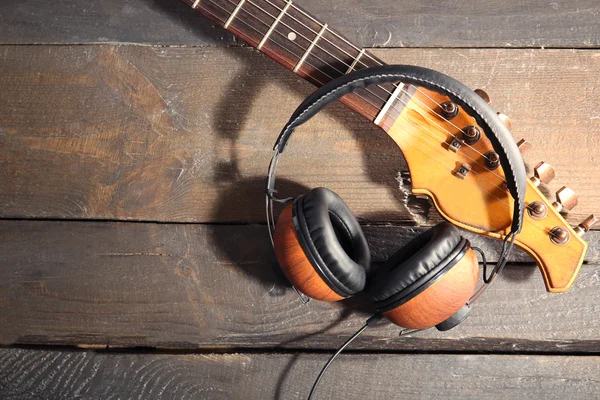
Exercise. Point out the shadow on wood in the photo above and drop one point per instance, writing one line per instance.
(232, 113)
(177, 12)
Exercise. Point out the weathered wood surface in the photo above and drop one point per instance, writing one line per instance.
(412, 23)
(214, 286)
(184, 134)
(168, 134)
(73, 374)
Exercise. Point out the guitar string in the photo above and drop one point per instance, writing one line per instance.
(349, 55)
(420, 126)
(384, 100)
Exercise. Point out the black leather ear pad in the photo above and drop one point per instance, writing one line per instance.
(416, 266)
(332, 240)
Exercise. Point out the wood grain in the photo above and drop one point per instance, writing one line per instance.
(294, 263)
(128, 132)
(73, 374)
(214, 286)
(412, 23)
(441, 300)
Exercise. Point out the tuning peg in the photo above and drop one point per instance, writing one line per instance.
(566, 199)
(483, 94)
(586, 225)
(523, 146)
(505, 120)
(542, 173)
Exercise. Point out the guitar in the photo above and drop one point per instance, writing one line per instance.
(445, 150)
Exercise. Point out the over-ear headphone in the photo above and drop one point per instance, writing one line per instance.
(323, 252)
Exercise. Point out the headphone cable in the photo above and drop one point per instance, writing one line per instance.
(370, 322)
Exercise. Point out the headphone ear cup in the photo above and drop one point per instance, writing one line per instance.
(295, 264)
(427, 281)
(321, 247)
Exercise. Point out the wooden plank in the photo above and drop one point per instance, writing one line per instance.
(184, 134)
(215, 286)
(412, 23)
(75, 374)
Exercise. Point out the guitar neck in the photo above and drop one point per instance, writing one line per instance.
(298, 41)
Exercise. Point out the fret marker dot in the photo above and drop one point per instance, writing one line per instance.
(292, 36)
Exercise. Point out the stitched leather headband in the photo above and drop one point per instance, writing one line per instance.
(499, 136)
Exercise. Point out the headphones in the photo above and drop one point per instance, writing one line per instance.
(431, 281)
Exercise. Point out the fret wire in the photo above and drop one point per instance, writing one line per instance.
(379, 63)
(283, 47)
(233, 14)
(195, 4)
(312, 45)
(351, 68)
(335, 33)
(272, 27)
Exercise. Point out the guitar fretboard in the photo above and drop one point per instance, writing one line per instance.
(295, 39)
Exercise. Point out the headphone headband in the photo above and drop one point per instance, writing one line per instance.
(498, 134)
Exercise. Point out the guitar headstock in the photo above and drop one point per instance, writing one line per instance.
(452, 161)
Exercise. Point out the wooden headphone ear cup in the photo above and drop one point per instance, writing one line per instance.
(295, 264)
(442, 299)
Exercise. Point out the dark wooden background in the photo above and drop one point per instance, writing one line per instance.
(134, 259)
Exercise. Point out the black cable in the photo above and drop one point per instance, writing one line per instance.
(370, 322)
(483, 261)
(507, 247)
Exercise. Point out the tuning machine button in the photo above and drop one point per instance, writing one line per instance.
(505, 120)
(566, 199)
(586, 225)
(523, 146)
(542, 173)
(483, 94)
